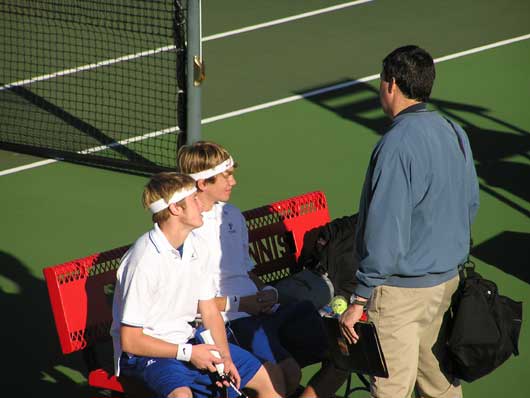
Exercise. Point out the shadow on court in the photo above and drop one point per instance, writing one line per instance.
(358, 103)
(33, 362)
(491, 147)
(508, 251)
(34, 125)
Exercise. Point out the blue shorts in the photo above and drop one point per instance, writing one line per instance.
(163, 375)
(271, 337)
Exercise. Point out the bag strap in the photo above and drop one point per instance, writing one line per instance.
(466, 270)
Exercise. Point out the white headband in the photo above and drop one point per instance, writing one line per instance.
(220, 168)
(161, 204)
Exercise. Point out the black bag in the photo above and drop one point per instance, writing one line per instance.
(331, 249)
(305, 285)
(485, 326)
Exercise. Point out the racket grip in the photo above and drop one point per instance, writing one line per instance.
(208, 339)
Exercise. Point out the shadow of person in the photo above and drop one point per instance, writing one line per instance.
(356, 101)
(493, 147)
(509, 251)
(511, 176)
(34, 365)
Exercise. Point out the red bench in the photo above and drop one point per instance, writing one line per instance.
(81, 290)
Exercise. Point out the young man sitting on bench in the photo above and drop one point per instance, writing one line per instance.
(249, 308)
(161, 282)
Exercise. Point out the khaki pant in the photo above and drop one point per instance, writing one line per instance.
(411, 327)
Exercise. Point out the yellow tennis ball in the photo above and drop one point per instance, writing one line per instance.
(339, 304)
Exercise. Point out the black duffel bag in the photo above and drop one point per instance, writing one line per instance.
(330, 249)
(485, 326)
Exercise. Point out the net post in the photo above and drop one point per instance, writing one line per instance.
(193, 63)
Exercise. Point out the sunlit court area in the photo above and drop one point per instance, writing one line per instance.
(95, 98)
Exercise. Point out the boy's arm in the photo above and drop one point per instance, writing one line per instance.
(135, 341)
(253, 304)
(220, 303)
(212, 320)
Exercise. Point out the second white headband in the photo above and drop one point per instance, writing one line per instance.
(220, 168)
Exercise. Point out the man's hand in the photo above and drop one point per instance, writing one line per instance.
(202, 358)
(347, 321)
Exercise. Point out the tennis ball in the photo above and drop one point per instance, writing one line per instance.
(339, 304)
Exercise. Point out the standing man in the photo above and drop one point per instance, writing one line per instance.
(162, 280)
(419, 200)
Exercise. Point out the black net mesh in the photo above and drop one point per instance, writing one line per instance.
(95, 81)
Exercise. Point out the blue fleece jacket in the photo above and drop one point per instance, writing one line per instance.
(419, 199)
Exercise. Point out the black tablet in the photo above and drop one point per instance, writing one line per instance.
(365, 357)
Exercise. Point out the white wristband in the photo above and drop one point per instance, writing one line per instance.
(269, 287)
(232, 303)
(184, 352)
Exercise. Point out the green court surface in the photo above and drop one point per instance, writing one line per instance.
(62, 211)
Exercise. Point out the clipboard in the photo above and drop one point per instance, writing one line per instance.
(365, 357)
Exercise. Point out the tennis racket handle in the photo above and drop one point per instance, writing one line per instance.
(208, 339)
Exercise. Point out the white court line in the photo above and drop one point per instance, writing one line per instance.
(28, 166)
(92, 150)
(290, 99)
(86, 67)
(130, 57)
(130, 140)
(355, 82)
(273, 103)
(286, 19)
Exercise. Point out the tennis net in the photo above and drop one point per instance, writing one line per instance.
(94, 81)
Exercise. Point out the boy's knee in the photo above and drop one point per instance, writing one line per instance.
(263, 383)
(181, 392)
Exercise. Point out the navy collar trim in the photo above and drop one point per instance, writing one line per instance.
(420, 107)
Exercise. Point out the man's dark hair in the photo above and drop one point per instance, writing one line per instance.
(413, 70)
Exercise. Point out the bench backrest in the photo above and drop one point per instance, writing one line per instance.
(81, 290)
(276, 233)
(81, 298)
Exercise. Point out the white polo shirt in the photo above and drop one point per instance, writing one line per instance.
(226, 232)
(158, 290)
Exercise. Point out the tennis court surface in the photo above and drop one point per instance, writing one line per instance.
(291, 91)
